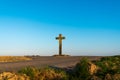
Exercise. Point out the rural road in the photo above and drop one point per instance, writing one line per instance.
(61, 62)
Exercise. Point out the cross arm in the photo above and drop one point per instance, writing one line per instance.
(60, 38)
(63, 37)
(57, 37)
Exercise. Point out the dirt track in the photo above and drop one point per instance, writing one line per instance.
(62, 62)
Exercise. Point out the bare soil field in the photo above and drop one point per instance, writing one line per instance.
(13, 58)
(41, 61)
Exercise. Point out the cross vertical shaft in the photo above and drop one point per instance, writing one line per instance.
(60, 45)
(60, 38)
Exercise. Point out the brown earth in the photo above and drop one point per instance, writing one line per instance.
(13, 58)
(41, 61)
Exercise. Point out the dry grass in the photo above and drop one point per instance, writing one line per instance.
(45, 73)
(13, 76)
(13, 58)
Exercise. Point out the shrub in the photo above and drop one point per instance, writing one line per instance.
(108, 65)
(81, 70)
(29, 71)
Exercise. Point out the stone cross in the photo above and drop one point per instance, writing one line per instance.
(60, 38)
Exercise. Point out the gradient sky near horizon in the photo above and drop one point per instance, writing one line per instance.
(29, 27)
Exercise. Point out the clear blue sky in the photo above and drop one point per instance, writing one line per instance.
(29, 27)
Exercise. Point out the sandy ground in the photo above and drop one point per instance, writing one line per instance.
(60, 62)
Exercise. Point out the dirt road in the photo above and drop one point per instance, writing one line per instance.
(61, 62)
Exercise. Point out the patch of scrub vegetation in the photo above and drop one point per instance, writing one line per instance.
(13, 58)
(82, 70)
(108, 68)
(13, 76)
(46, 73)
